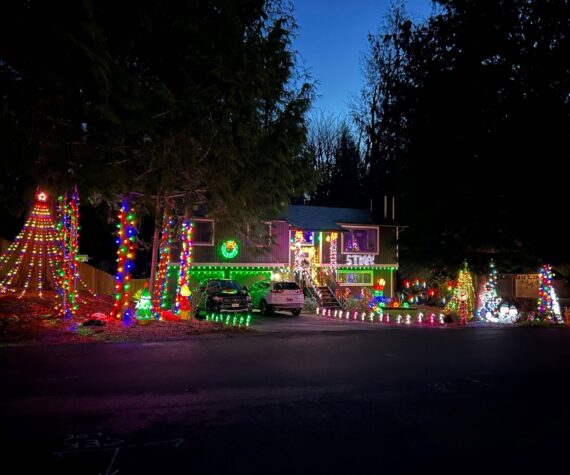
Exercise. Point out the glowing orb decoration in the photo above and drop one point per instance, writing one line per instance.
(230, 249)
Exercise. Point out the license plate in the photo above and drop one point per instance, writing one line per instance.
(235, 304)
(289, 300)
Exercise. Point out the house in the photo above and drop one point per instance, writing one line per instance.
(335, 249)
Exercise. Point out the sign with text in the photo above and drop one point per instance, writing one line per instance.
(360, 259)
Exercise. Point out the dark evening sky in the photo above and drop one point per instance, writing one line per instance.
(331, 39)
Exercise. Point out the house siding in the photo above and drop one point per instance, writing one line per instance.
(277, 253)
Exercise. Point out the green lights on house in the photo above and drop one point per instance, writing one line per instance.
(229, 249)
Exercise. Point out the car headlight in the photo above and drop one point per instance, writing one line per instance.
(217, 299)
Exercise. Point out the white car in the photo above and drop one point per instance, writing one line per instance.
(268, 296)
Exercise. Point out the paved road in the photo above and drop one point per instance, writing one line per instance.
(395, 400)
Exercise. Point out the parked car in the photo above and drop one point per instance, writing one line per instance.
(268, 296)
(222, 295)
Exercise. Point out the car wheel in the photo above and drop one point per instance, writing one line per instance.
(264, 308)
(296, 312)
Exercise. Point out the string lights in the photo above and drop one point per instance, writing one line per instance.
(29, 263)
(67, 273)
(462, 302)
(127, 234)
(548, 304)
(160, 287)
(185, 262)
(489, 300)
(333, 252)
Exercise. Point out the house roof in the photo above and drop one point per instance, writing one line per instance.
(324, 218)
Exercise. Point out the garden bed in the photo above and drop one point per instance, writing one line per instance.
(32, 320)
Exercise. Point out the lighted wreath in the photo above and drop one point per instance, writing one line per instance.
(230, 249)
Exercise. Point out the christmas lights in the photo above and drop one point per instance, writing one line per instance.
(548, 304)
(67, 272)
(29, 263)
(160, 287)
(127, 234)
(489, 300)
(298, 268)
(463, 299)
(333, 252)
(185, 263)
(229, 249)
(143, 313)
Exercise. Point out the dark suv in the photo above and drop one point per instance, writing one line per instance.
(222, 295)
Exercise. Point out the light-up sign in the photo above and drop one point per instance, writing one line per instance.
(360, 259)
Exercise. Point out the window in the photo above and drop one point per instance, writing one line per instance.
(286, 286)
(203, 233)
(355, 277)
(360, 240)
(260, 235)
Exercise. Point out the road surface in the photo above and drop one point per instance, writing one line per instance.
(325, 398)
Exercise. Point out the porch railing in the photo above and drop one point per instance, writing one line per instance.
(333, 286)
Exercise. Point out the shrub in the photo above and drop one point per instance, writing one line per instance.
(356, 305)
(310, 305)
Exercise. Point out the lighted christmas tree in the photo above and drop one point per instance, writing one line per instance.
(548, 305)
(463, 301)
(30, 262)
(488, 299)
(143, 307)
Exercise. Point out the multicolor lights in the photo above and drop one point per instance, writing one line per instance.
(489, 300)
(127, 234)
(185, 263)
(160, 287)
(29, 263)
(67, 272)
(462, 302)
(548, 304)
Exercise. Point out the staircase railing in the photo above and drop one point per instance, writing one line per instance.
(332, 285)
(312, 286)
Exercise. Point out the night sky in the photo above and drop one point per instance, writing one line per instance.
(331, 40)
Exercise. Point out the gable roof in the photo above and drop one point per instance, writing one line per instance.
(324, 218)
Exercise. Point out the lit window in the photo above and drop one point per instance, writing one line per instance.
(364, 240)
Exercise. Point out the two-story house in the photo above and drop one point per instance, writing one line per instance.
(323, 246)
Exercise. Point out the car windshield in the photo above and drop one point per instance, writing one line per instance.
(221, 285)
(286, 286)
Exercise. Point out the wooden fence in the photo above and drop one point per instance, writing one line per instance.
(95, 279)
(102, 282)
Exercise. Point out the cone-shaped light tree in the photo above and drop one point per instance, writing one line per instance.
(30, 263)
(488, 299)
(463, 301)
(548, 304)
